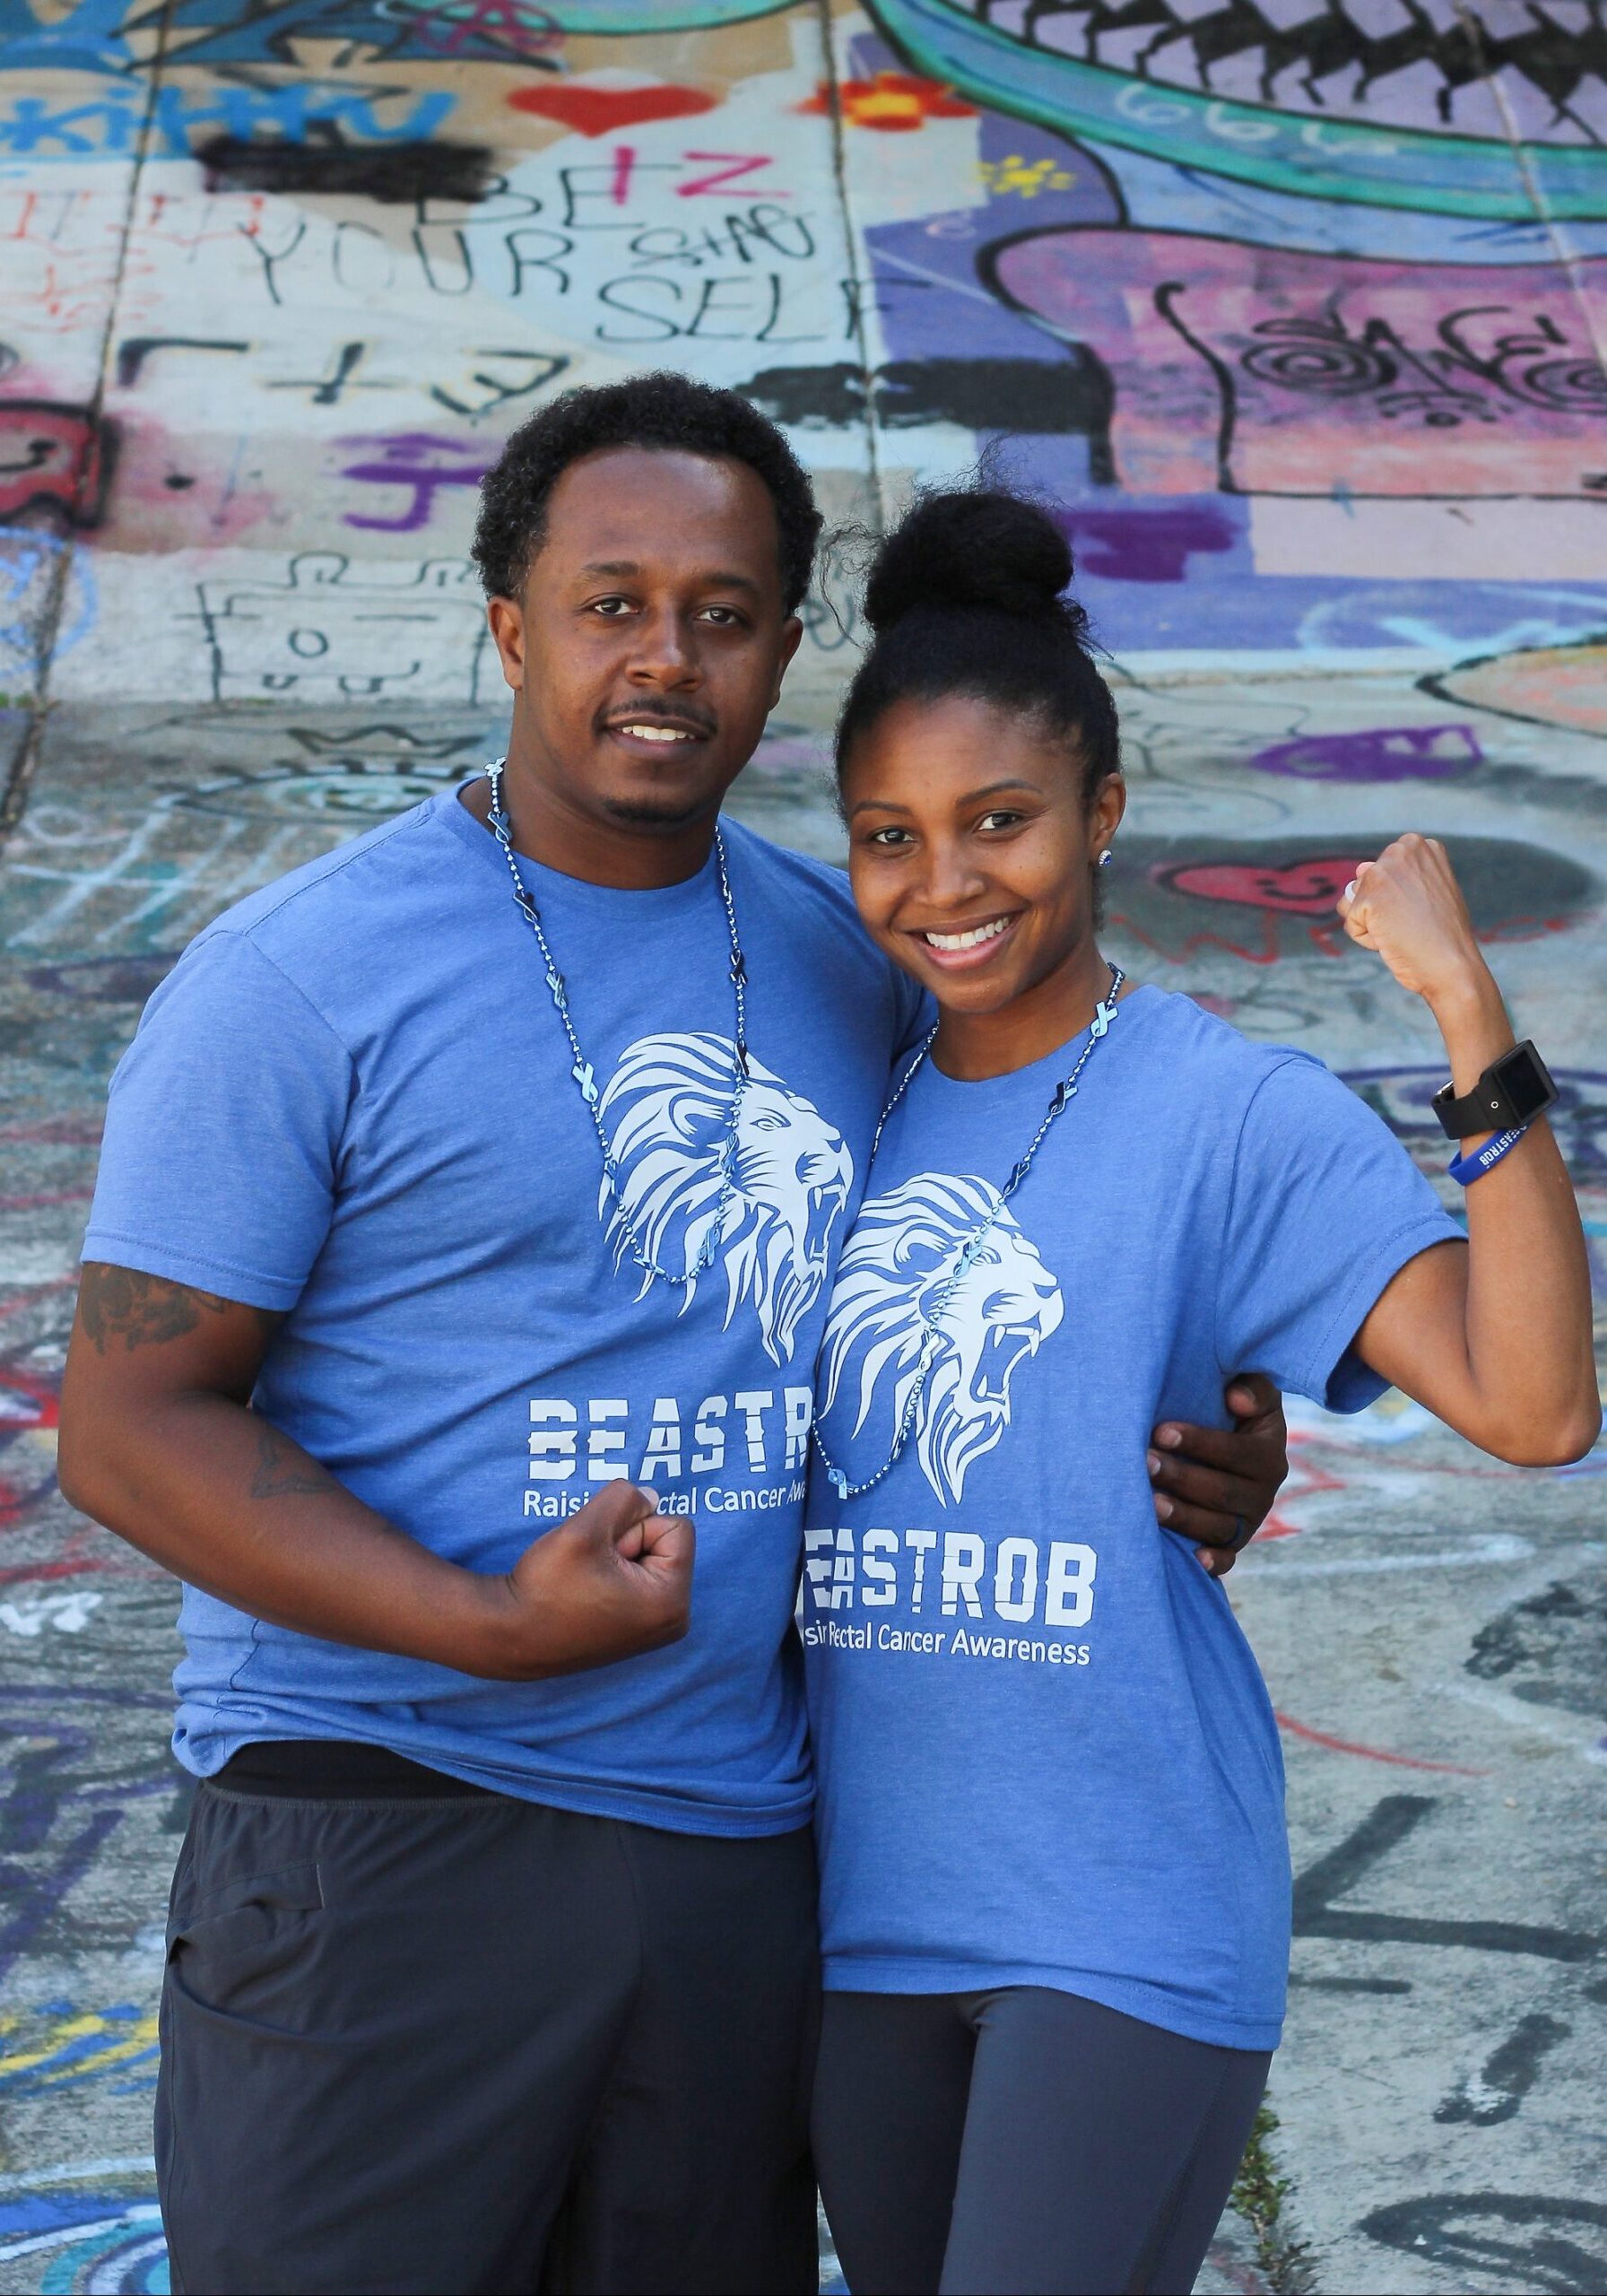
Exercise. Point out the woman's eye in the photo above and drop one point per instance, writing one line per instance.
(888, 836)
(998, 821)
(723, 617)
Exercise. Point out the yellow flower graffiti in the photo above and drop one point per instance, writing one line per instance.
(1027, 177)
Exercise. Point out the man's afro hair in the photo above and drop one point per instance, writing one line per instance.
(663, 410)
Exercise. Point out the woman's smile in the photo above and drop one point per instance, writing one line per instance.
(974, 834)
(965, 948)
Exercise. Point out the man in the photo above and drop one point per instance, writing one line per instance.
(459, 1256)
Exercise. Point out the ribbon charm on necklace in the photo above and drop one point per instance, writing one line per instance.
(1064, 1094)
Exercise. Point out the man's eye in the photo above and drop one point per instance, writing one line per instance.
(724, 617)
(612, 607)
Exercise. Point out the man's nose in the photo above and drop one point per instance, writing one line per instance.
(665, 652)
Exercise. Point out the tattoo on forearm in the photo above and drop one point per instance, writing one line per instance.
(283, 1472)
(141, 1310)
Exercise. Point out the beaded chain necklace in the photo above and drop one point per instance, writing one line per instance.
(585, 1074)
(1064, 1092)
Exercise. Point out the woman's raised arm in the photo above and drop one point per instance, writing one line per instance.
(1494, 1338)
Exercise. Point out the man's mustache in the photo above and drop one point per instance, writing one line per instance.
(680, 721)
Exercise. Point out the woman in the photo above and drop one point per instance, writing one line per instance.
(1055, 1869)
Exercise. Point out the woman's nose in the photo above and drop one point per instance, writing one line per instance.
(952, 877)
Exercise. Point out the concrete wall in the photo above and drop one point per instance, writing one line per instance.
(1296, 309)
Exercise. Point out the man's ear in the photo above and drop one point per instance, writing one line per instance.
(506, 617)
(792, 636)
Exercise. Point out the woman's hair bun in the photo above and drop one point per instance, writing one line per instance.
(971, 549)
(966, 598)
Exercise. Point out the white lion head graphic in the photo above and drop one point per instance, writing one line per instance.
(894, 1266)
(666, 1111)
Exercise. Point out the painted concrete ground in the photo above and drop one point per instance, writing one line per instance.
(1296, 309)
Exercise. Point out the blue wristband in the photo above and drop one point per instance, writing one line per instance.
(1466, 1170)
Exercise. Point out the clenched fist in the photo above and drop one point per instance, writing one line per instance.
(610, 1582)
(1408, 906)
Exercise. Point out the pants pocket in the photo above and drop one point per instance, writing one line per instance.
(232, 1946)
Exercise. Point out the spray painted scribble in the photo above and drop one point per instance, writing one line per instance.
(323, 636)
(52, 456)
(1263, 371)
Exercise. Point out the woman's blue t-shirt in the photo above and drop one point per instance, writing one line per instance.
(1045, 1753)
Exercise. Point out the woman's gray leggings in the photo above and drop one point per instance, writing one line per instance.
(1020, 2141)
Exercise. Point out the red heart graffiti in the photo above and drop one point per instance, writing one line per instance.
(598, 111)
(1298, 889)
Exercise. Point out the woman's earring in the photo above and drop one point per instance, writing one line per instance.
(1105, 858)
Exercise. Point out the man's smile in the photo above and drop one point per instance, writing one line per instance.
(646, 733)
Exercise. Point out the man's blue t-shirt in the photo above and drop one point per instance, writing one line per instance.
(352, 1102)
(1044, 1752)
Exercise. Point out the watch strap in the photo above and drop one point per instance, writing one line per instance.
(1488, 1107)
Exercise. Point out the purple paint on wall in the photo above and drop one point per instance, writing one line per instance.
(419, 461)
(1144, 546)
(1381, 753)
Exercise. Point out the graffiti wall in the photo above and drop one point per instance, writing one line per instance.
(1296, 312)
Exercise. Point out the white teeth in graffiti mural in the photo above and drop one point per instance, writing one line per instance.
(1421, 68)
(1356, 99)
(324, 635)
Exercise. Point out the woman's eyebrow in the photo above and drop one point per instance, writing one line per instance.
(971, 797)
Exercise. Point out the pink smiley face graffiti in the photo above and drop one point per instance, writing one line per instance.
(1308, 888)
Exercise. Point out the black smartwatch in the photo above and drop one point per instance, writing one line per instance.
(1511, 1091)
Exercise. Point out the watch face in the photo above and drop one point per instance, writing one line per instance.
(1523, 1078)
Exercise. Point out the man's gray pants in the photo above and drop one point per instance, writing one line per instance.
(478, 2044)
